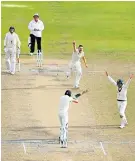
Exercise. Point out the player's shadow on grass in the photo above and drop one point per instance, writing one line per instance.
(4, 73)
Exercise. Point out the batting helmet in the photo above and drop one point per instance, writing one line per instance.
(120, 82)
(11, 29)
(68, 92)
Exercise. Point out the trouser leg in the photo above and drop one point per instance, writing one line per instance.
(32, 40)
(8, 62)
(63, 129)
(122, 108)
(69, 71)
(78, 75)
(13, 62)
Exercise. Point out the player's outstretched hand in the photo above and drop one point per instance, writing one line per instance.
(131, 76)
(74, 42)
(106, 73)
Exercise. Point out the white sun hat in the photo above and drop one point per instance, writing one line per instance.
(36, 14)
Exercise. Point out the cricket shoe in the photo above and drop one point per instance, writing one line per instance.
(122, 126)
(76, 87)
(68, 77)
(12, 73)
(65, 145)
(31, 54)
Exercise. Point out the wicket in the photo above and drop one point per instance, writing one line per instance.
(39, 59)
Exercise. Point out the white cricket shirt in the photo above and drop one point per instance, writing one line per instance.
(36, 25)
(122, 95)
(64, 104)
(76, 56)
(12, 40)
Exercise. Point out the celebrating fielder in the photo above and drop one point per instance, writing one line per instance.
(11, 48)
(121, 97)
(75, 64)
(63, 114)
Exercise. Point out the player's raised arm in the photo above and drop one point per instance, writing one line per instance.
(84, 60)
(129, 80)
(73, 100)
(111, 79)
(74, 46)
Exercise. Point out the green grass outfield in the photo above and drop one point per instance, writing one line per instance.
(106, 29)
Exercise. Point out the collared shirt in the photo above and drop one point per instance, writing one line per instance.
(36, 28)
(12, 40)
(121, 95)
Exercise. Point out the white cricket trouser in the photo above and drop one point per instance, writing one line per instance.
(78, 72)
(122, 107)
(63, 127)
(11, 59)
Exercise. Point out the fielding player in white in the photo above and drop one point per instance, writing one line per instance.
(75, 64)
(121, 97)
(63, 114)
(12, 49)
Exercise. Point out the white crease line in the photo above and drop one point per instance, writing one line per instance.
(102, 147)
(24, 148)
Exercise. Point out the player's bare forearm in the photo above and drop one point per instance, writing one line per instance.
(106, 73)
(129, 80)
(74, 46)
(84, 60)
(110, 79)
(75, 101)
(131, 76)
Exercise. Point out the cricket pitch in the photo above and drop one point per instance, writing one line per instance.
(30, 125)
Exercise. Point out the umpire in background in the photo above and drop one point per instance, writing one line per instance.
(36, 27)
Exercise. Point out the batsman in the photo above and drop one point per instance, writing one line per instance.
(12, 50)
(65, 101)
(121, 97)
